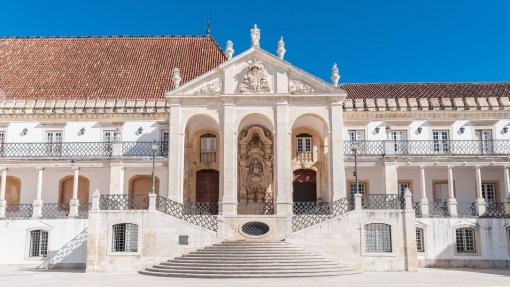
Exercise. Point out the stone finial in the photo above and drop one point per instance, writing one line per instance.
(255, 36)
(176, 77)
(281, 48)
(335, 75)
(229, 50)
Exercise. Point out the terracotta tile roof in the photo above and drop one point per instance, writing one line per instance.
(426, 90)
(101, 67)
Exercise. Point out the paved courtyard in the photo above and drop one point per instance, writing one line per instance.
(424, 277)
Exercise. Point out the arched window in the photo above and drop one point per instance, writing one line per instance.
(377, 237)
(208, 148)
(465, 239)
(420, 246)
(38, 243)
(125, 237)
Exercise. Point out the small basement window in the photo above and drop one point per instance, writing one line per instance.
(420, 246)
(465, 240)
(38, 243)
(377, 237)
(125, 237)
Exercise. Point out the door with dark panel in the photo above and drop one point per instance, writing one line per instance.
(208, 188)
(304, 186)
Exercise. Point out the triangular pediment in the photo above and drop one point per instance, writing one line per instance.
(255, 72)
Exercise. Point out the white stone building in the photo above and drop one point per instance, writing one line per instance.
(238, 139)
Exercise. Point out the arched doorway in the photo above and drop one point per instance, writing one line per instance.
(304, 186)
(12, 190)
(142, 185)
(66, 189)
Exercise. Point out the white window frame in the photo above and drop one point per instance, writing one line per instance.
(28, 243)
(304, 143)
(362, 187)
(109, 248)
(55, 146)
(441, 144)
(486, 196)
(476, 238)
(422, 232)
(399, 138)
(486, 145)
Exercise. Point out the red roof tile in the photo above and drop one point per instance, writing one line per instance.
(101, 67)
(426, 90)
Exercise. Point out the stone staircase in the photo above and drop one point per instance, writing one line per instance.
(249, 259)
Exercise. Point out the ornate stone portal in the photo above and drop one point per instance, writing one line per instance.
(255, 165)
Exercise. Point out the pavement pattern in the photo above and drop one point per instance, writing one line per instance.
(422, 278)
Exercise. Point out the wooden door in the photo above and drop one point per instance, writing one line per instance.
(66, 190)
(208, 186)
(304, 186)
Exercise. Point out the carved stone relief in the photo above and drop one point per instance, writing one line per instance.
(298, 87)
(255, 165)
(255, 79)
(211, 88)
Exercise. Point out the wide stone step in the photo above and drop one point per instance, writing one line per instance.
(248, 264)
(249, 267)
(249, 275)
(247, 256)
(249, 252)
(251, 271)
(241, 260)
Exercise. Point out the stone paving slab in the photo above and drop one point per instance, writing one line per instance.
(422, 278)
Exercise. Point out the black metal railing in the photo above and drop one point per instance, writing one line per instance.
(307, 214)
(187, 213)
(383, 201)
(438, 208)
(55, 210)
(466, 209)
(417, 209)
(429, 147)
(83, 209)
(84, 150)
(494, 209)
(255, 208)
(205, 207)
(14, 211)
(123, 202)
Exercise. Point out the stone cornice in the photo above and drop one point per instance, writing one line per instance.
(426, 115)
(159, 116)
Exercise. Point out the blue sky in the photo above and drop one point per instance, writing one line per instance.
(372, 41)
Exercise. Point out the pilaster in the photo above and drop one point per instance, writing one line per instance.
(424, 202)
(480, 201)
(283, 170)
(452, 202)
(175, 153)
(228, 163)
(390, 178)
(336, 152)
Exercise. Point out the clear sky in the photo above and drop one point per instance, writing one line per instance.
(372, 41)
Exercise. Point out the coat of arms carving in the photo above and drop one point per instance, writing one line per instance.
(256, 79)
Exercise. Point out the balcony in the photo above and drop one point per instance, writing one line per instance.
(80, 150)
(304, 156)
(429, 148)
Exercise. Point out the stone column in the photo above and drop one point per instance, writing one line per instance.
(390, 178)
(37, 205)
(176, 153)
(228, 163)
(283, 170)
(3, 184)
(506, 188)
(424, 202)
(409, 230)
(480, 201)
(336, 176)
(74, 202)
(116, 178)
(452, 202)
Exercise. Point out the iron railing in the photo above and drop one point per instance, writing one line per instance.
(187, 213)
(55, 210)
(429, 147)
(417, 209)
(438, 208)
(494, 209)
(14, 211)
(255, 208)
(307, 214)
(383, 201)
(123, 202)
(466, 209)
(83, 209)
(84, 150)
(205, 207)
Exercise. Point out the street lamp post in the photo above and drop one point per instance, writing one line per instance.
(355, 173)
(154, 147)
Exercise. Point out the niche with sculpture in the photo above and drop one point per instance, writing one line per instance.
(255, 165)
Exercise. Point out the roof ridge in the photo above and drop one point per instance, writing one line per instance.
(425, 83)
(103, 36)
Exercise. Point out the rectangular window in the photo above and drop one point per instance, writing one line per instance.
(402, 186)
(489, 192)
(208, 144)
(54, 142)
(419, 240)
(441, 141)
(440, 191)
(377, 237)
(110, 136)
(362, 188)
(484, 138)
(125, 237)
(399, 139)
(465, 240)
(38, 243)
(356, 135)
(165, 137)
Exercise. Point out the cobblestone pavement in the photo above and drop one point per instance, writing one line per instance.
(424, 277)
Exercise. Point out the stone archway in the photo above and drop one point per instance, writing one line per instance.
(66, 189)
(304, 186)
(256, 165)
(13, 190)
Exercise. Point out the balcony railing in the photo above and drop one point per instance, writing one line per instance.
(83, 150)
(429, 148)
(304, 156)
(207, 156)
